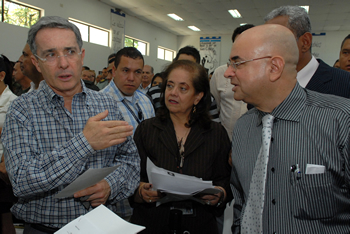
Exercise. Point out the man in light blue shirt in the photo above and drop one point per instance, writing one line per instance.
(133, 104)
(127, 72)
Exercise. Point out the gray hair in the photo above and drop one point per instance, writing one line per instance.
(298, 19)
(51, 22)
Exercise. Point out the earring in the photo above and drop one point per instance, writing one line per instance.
(194, 109)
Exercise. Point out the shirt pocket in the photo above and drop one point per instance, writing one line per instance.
(314, 197)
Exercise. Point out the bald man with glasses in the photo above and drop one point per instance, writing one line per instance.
(290, 153)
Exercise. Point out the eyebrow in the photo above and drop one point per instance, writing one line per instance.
(65, 48)
(181, 83)
(235, 57)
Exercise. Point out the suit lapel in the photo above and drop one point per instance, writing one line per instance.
(195, 139)
(167, 136)
(320, 78)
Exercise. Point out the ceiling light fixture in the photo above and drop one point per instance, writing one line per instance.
(306, 8)
(175, 17)
(194, 28)
(242, 24)
(235, 13)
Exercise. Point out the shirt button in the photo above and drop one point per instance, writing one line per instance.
(273, 201)
(273, 169)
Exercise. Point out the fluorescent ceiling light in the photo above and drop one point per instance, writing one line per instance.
(235, 13)
(194, 28)
(243, 24)
(175, 17)
(306, 8)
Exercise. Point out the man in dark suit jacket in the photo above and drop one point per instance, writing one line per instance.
(330, 80)
(312, 74)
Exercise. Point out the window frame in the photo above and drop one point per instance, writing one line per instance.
(94, 27)
(138, 40)
(166, 50)
(22, 4)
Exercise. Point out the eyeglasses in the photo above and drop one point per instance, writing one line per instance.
(52, 57)
(235, 65)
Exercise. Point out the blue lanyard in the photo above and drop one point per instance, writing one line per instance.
(138, 118)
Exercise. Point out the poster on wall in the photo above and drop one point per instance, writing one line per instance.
(209, 48)
(318, 45)
(117, 30)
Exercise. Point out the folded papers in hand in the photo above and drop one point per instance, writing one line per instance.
(89, 178)
(177, 186)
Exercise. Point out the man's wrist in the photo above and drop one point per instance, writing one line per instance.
(221, 198)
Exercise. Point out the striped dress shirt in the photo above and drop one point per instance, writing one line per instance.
(141, 99)
(309, 128)
(46, 150)
(123, 207)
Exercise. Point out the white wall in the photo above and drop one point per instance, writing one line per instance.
(332, 42)
(329, 53)
(153, 35)
(226, 44)
(13, 38)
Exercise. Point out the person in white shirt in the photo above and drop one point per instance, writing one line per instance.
(229, 109)
(6, 98)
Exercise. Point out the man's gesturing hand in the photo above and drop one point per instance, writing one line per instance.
(103, 134)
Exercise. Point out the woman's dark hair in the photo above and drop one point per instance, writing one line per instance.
(6, 66)
(200, 83)
(161, 75)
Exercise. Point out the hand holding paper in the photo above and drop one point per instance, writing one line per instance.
(147, 194)
(97, 194)
(87, 179)
(178, 186)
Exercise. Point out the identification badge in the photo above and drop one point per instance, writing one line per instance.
(186, 208)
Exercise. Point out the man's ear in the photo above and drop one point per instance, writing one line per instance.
(82, 56)
(306, 41)
(35, 62)
(277, 67)
(114, 70)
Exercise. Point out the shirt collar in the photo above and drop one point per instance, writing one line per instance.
(51, 94)
(120, 96)
(148, 86)
(305, 74)
(291, 107)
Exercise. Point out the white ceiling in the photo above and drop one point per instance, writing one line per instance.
(212, 16)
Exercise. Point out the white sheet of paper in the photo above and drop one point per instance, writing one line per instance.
(173, 182)
(100, 220)
(314, 169)
(90, 177)
(80, 225)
